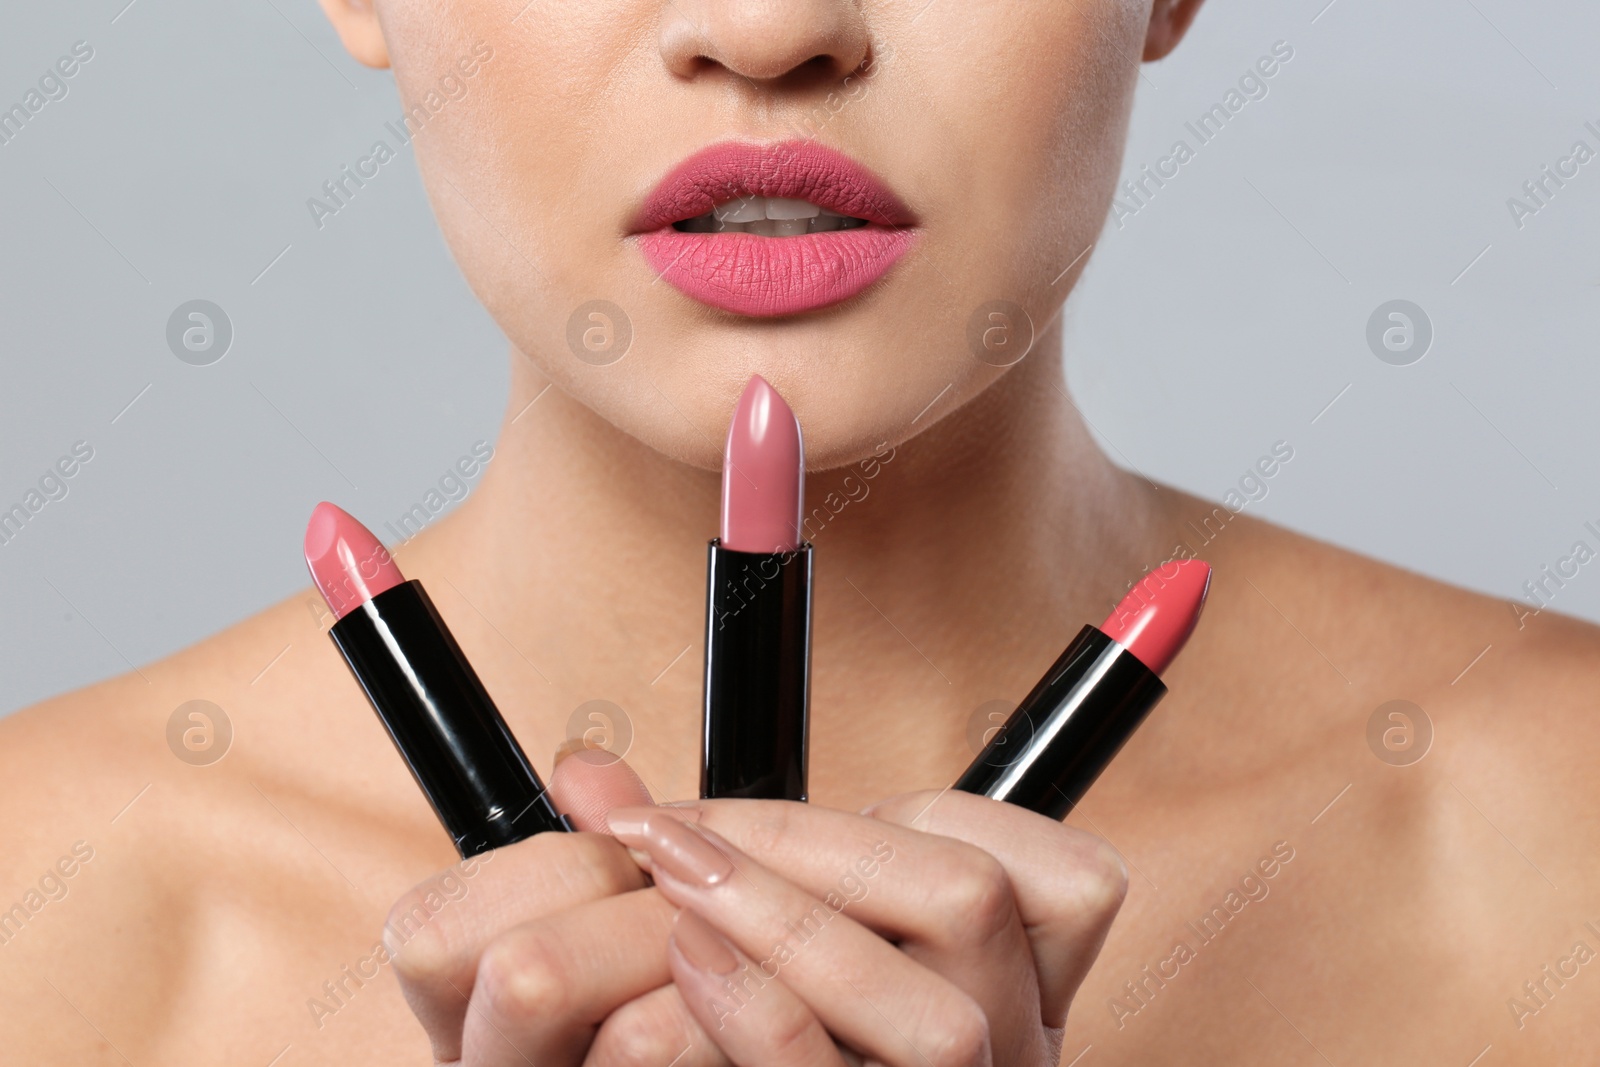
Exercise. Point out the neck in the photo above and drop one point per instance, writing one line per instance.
(950, 571)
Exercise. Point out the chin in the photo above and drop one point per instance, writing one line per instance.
(860, 377)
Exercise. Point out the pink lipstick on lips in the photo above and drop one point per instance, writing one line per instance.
(1069, 727)
(758, 610)
(772, 229)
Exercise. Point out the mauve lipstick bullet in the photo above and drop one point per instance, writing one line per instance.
(758, 610)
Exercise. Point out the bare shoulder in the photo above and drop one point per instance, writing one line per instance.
(1442, 764)
(1364, 816)
(1500, 674)
(175, 853)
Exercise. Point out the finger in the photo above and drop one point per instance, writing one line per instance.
(436, 932)
(866, 991)
(949, 904)
(1068, 884)
(543, 988)
(589, 782)
(757, 1021)
(655, 1030)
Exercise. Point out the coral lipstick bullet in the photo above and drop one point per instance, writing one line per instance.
(1072, 724)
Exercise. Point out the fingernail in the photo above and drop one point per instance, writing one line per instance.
(629, 822)
(686, 810)
(597, 757)
(683, 852)
(632, 819)
(702, 946)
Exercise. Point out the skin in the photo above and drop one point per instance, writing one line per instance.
(1405, 904)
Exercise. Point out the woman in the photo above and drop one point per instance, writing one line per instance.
(1289, 897)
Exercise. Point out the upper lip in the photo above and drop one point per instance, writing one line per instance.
(802, 170)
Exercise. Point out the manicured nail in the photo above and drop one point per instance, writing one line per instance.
(575, 746)
(687, 853)
(702, 946)
(685, 810)
(682, 851)
(632, 820)
(629, 822)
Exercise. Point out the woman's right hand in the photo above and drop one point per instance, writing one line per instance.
(464, 964)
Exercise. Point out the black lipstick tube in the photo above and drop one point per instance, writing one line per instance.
(440, 717)
(1068, 729)
(758, 674)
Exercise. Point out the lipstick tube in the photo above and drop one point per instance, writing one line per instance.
(1066, 731)
(1076, 719)
(430, 700)
(758, 673)
(442, 720)
(758, 610)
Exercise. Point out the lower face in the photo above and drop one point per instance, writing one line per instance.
(844, 238)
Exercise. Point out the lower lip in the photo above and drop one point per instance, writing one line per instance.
(764, 277)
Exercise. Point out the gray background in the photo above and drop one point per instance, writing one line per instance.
(1224, 316)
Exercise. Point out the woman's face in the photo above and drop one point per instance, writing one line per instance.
(543, 129)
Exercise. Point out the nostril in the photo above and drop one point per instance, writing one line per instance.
(799, 44)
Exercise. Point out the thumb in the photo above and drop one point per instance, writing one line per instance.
(588, 782)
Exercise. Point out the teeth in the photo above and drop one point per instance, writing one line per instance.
(770, 216)
(751, 210)
(779, 208)
(781, 227)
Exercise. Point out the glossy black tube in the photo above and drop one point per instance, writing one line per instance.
(441, 719)
(758, 674)
(1066, 731)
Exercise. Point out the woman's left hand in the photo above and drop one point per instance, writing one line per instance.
(936, 930)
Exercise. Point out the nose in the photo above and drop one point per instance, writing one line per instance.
(766, 41)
